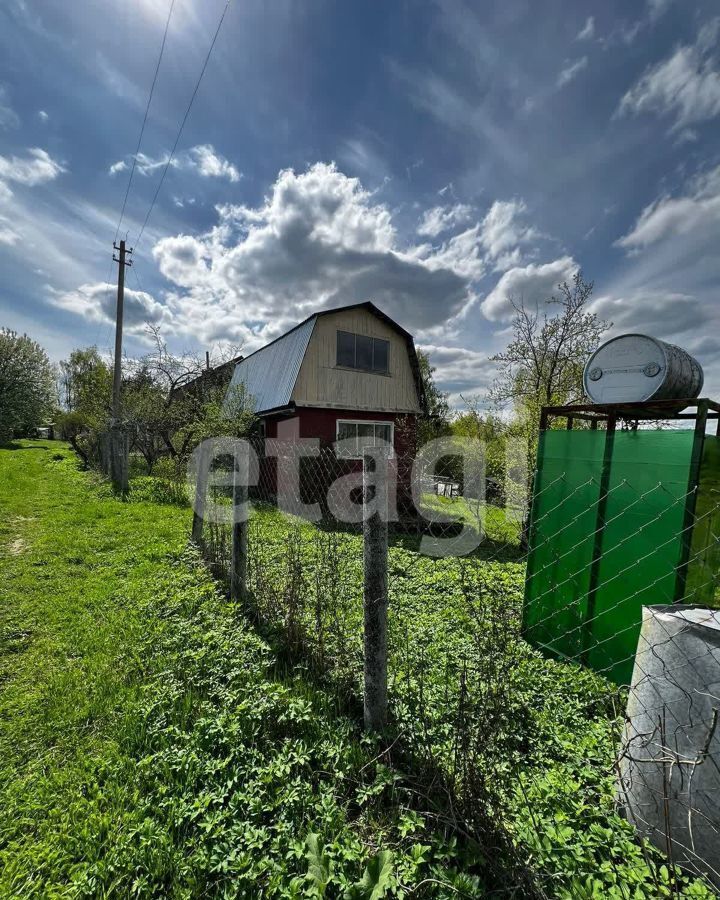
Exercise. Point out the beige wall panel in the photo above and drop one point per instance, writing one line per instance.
(321, 383)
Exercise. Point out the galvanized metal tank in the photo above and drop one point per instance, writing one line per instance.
(633, 368)
(669, 766)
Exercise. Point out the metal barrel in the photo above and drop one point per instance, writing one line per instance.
(634, 368)
(669, 766)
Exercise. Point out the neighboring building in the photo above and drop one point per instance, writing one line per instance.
(208, 380)
(347, 373)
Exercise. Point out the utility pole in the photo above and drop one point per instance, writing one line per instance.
(118, 438)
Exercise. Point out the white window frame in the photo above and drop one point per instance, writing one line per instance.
(339, 422)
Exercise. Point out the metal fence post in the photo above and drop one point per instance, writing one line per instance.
(201, 486)
(375, 590)
(238, 567)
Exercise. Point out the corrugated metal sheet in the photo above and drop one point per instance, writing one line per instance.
(269, 375)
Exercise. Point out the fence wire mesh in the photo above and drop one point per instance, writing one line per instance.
(540, 712)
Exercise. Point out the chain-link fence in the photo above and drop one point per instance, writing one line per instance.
(537, 710)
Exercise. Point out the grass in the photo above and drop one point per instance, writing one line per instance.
(154, 744)
(491, 521)
(524, 741)
(151, 745)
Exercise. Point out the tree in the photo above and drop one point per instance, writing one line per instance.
(86, 391)
(436, 420)
(27, 384)
(490, 431)
(543, 363)
(86, 384)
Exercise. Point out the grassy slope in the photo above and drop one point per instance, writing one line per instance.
(147, 746)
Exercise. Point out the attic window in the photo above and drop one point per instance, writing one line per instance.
(358, 351)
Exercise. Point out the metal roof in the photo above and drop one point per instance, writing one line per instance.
(269, 374)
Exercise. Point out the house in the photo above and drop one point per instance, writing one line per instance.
(210, 379)
(349, 373)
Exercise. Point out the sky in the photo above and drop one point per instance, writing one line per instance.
(439, 158)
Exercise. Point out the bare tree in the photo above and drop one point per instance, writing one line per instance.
(543, 363)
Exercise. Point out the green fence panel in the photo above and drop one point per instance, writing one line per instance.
(704, 566)
(561, 539)
(641, 545)
(592, 613)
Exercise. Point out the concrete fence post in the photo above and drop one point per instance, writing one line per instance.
(238, 567)
(669, 771)
(105, 452)
(119, 453)
(375, 588)
(201, 488)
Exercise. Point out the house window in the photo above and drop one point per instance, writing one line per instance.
(361, 434)
(358, 351)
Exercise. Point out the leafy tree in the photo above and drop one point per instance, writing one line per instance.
(27, 384)
(86, 384)
(86, 392)
(490, 431)
(436, 421)
(145, 412)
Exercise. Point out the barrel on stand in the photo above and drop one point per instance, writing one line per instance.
(636, 368)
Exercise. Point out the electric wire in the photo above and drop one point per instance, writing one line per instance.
(144, 122)
(182, 124)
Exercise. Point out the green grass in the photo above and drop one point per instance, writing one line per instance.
(538, 737)
(153, 744)
(150, 746)
(491, 521)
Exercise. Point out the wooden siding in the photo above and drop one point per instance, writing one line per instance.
(322, 383)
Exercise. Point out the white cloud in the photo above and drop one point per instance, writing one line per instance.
(657, 8)
(663, 314)
(8, 236)
(202, 159)
(34, 169)
(587, 32)
(42, 115)
(460, 371)
(529, 285)
(96, 302)
(571, 69)
(501, 230)
(698, 212)
(211, 165)
(685, 86)
(495, 241)
(317, 240)
(441, 218)
(8, 117)
(462, 254)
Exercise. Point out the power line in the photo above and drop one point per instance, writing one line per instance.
(144, 122)
(182, 124)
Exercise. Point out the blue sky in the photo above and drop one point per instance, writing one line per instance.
(439, 158)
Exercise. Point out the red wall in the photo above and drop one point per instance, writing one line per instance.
(322, 424)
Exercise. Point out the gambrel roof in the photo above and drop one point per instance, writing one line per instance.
(270, 373)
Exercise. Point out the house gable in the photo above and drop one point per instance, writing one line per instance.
(322, 382)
